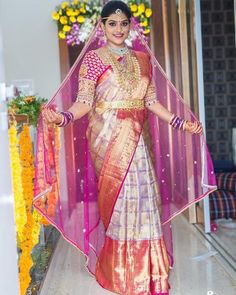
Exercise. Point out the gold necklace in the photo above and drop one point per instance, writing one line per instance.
(128, 74)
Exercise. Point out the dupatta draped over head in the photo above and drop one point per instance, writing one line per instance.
(68, 184)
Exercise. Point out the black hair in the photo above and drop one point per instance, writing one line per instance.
(111, 6)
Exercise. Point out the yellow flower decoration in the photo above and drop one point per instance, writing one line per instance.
(72, 19)
(82, 10)
(55, 15)
(144, 24)
(134, 7)
(148, 12)
(76, 12)
(69, 12)
(66, 28)
(63, 20)
(23, 188)
(147, 31)
(62, 35)
(64, 5)
(16, 170)
(136, 14)
(37, 220)
(32, 227)
(141, 8)
(29, 99)
(25, 263)
(80, 19)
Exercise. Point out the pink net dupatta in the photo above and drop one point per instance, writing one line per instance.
(65, 181)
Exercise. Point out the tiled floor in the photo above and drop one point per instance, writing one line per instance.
(67, 275)
(224, 241)
(226, 236)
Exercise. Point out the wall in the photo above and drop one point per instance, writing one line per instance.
(219, 60)
(2, 75)
(8, 246)
(30, 43)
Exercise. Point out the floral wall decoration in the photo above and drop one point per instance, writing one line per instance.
(19, 202)
(27, 219)
(27, 223)
(76, 19)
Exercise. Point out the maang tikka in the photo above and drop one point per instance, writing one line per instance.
(118, 11)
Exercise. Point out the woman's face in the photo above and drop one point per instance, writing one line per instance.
(116, 29)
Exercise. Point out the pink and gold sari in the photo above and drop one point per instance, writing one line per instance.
(133, 259)
(122, 175)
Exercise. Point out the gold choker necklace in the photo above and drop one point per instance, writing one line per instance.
(119, 51)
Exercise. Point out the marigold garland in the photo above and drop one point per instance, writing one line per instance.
(19, 202)
(27, 220)
(27, 174)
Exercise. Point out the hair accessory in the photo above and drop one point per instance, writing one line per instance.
(67, 118)
(118, 11)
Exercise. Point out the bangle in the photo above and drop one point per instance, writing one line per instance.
(172, 117)
(184, 124)
(67, 117)
(176, 122)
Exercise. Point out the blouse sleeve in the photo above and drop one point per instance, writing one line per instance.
(90, 70)
(151, 94)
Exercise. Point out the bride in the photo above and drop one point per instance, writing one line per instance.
(122, 201)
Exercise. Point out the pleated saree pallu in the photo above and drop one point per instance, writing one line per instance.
(115, 181)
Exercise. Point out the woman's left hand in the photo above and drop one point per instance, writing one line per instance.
(193, 127)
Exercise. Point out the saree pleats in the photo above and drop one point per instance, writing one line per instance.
(133, 267)
(134, 259)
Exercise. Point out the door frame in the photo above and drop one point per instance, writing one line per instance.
(201, 103)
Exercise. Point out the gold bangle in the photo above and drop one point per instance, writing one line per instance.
(184, 124)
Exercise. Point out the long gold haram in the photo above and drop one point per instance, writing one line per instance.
(128, 75)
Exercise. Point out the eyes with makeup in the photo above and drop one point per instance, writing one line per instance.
(113, 24)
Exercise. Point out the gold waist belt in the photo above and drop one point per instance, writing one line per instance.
(120, 104)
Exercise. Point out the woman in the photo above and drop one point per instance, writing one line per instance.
(116, 89)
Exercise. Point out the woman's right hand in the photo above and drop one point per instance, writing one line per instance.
(50, 116)
(193, 127)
